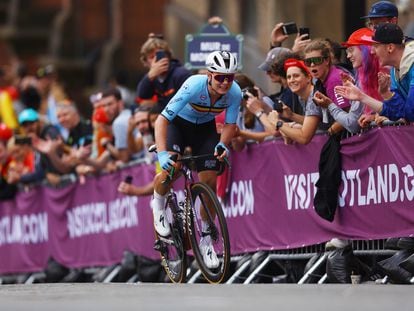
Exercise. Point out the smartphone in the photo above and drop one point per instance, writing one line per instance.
(23, 140)
(128, 179)
(304, 31)
(289, 28)
(159, 55)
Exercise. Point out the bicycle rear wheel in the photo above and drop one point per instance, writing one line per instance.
(202, 196)
(173, 254)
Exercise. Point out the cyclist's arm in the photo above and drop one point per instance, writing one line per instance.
(228, 132)
(161, 126)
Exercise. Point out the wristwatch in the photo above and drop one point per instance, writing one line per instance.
(279, 124)
(259, 114)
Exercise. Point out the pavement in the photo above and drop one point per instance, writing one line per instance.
(165, 297)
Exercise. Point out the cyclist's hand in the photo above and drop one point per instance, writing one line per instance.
(221, 151)
(165, 160)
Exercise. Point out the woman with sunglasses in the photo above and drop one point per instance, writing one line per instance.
(318, 59)
(189, 120)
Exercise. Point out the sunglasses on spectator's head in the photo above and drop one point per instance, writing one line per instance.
(314, 60)
(222, 78)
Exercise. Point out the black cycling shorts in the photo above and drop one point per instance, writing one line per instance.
(202, 138)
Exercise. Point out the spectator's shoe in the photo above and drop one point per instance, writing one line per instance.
(336, 244)
(208, 253)
(161, 224)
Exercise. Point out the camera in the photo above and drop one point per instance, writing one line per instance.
(289, 28)
(160, 54)
(278, 105)
(23, 140)
(303, 31)
(251, 90)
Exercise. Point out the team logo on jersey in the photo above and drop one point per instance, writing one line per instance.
(203, 97)
(169, 111)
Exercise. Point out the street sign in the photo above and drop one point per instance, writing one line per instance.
(212, 37)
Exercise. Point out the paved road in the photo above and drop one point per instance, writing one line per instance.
(255, 297)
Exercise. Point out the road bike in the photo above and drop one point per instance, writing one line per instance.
(184, 217)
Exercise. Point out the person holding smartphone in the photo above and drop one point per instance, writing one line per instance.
(165, 73)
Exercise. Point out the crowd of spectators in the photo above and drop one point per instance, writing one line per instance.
(45, 137)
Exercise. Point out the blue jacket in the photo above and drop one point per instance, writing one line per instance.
(165, 89)
(401, 104)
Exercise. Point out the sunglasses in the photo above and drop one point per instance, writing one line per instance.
(314, 60)
(222, 78)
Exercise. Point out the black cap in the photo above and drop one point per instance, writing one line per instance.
(388, 33)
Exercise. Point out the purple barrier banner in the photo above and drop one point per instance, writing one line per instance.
(78, 225)
(24, 233)
(269, 205)
(270, 202)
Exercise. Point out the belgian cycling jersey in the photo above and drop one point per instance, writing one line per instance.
(192, 102)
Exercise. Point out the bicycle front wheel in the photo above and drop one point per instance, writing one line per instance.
(173, 255)
(207, 207)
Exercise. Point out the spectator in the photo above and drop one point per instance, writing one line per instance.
(148, 189)
(366, 68)
(7, 191)
(273, 66)
(139, 134)
(118, 116)
(116, 150)
(382, 12)
(51, 93)
(389, 46)
(45, 139)
(165, 76)
(22, 159)
(300, 82)
(318, 59)
(80, 130)
(249, 126)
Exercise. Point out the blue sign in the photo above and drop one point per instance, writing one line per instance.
(211, 38)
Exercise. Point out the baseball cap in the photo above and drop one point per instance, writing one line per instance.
(388, 33)
(28, 115)
(292, 62)
(382, 9)
(362, 36)
(271, 57)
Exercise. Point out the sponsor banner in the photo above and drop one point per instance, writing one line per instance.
(24, 233)
(78, 225)
(270, 202)
(269, 205)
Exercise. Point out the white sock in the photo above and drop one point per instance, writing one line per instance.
(158, 201)
(204, 226)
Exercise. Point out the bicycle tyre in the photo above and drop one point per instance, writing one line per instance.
(220, 237)
(173, 255)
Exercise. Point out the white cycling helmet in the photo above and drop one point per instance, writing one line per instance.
(221, 62)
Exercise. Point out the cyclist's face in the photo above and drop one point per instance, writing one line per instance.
(220, 82)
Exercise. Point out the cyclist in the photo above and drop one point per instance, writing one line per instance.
(188, 120)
